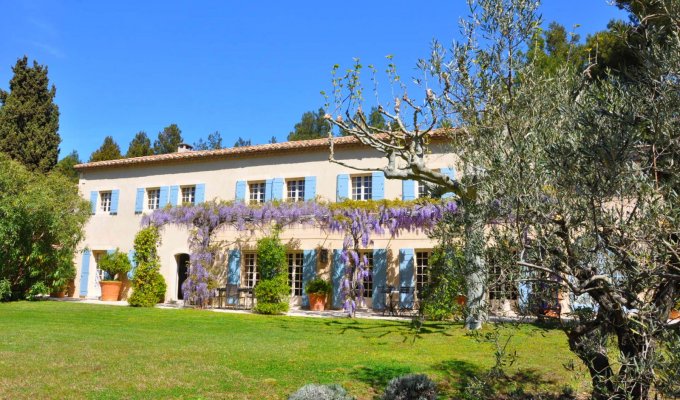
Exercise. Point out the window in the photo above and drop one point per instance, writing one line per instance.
(295, 273)
(423, 190)
(362, 187)
(257, 192)
(101, 275)
(251, 275)
(188, 194)
(368, 280)
(422, 270)
(296, 190)
(105, 202)
(501, 285)
(153, 197)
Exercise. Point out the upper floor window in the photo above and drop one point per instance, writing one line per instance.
(423, 190)
(153, 197)
(422, 270)
(105, 202)
(295, 273)
(296, 190)
(362, 187)
(251, 275)
(257, 191)
(188, 194)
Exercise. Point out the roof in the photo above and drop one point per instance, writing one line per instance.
(313, 144)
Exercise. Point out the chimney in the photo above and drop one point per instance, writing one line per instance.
(183, 148)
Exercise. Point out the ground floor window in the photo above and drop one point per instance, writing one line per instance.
(250, 270)
(295, 273)
(422, 270)
(502, 286)
(368, 280)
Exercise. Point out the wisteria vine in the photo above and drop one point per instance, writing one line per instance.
(357, 221)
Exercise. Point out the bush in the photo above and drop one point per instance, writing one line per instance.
(5, 290)
(411, 387)
(447, 282)
(37, 291)
(148, 285)
(321, 392)
(115, 265)
(271, 257)
(318, 285)
(272, 295)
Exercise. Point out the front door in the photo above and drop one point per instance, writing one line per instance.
(182, 273)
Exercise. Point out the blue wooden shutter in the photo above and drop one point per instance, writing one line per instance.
(164, 195)
(408, 190)
(268, 189)
(406, 278)
(379, 278)
(337, 279)
(174, 195)
(234, 272)
(93, 202)
(524, 291)
(139, 201)
(342, 188)
(241, 191)
(310, 188)
(85, 273)
(308, 272)
(115, 194)
(277, 189)
(378, 185)
(131, 257)
(200, 193)
(451, 173)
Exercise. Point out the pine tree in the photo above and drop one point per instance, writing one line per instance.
(140, 146)
(214, 142)
(109, 150)
(311, 126)
(29, 119)
(168, 140)
(66, 164)
(241, 142)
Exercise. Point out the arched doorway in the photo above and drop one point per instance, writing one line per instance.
(182, 273)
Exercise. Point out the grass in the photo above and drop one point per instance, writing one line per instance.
(70, 350)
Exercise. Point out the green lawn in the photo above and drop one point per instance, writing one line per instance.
(68, 350)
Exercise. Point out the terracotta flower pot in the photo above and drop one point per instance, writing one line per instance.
(58, 295)
(461, 299)
(674, 314)
(110, 290)
(317, 301)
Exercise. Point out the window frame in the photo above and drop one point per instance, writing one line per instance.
(298, 189)
(191, 190)
(251, 274)
(261, 192)
(149, 198)
(104, 206)
(295, 272)
(422, 269)
(362, 187)
(368, 281)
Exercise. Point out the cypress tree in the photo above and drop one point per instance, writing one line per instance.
(29, 119)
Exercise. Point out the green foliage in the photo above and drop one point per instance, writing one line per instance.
(66, 164)
(311, 126)
(42, 222)
(148, 285)
(29, 119)
(62, 275)
(553, 49)
(271, 257)
(140, 146)
(315, 391)
(318, 285)
(214, 142)
(109, 150)
(37, 291)
(411, 387)
(272, 295)
(5, 290)
(168, 140)
(115, 264)
(241, 142)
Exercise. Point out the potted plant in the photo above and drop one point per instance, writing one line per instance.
(62, 278)
(675, 312)
(115, 265)
(317, 289)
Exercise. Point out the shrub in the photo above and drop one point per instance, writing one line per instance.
(115, 265)
(447, 282)
(318, 285)
(148, 285)
(37, 290)
(5, 290)
(272, 295)
(321, 392)
(271, 257)
(411, 387)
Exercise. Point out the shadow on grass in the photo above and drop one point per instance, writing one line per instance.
(407, 329)
(377, 376)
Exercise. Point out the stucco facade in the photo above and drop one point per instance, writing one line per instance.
(116, 189)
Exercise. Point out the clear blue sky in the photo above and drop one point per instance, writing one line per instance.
(244, 68)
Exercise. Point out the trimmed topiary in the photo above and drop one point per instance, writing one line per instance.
(411, 387)
(148, 285)
(315, 391)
